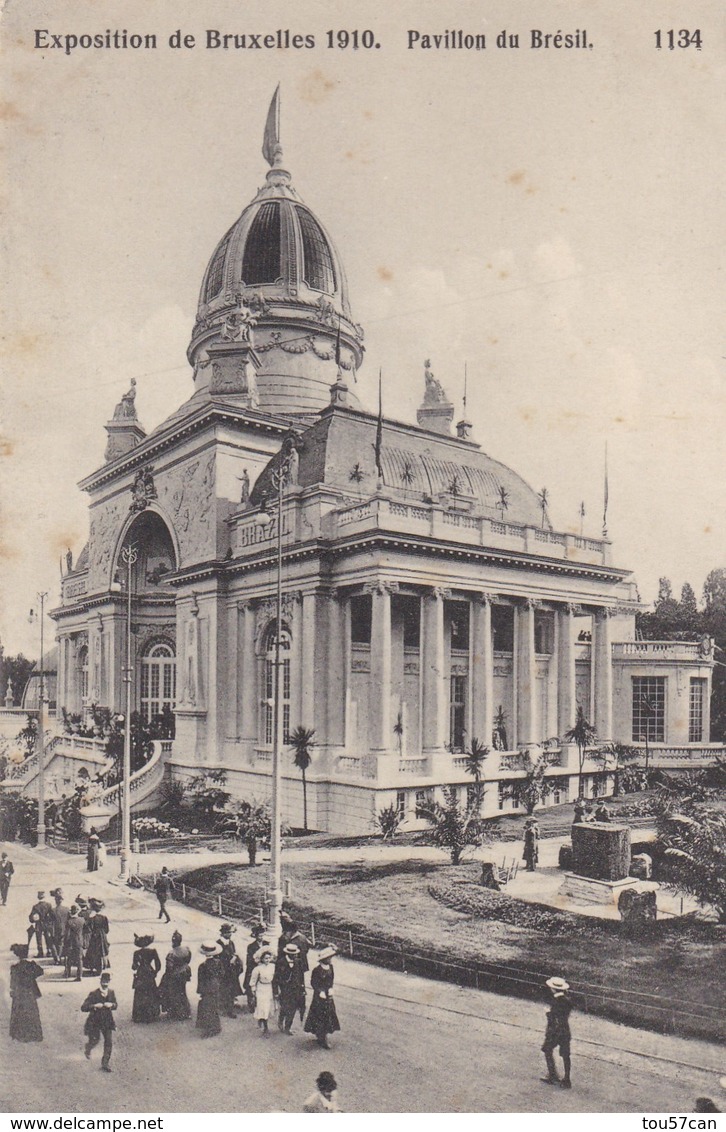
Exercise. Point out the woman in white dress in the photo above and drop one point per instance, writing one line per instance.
(261, 987)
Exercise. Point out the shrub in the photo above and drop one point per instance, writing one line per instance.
(147, 828)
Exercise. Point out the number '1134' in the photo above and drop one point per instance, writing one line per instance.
(682, 38)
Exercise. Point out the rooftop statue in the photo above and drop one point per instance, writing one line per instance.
(126, 408)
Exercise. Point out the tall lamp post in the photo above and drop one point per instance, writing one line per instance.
(129, 556)
(41, 724)
(280, 476)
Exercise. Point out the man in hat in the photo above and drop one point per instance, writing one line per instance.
(324, 1099)
(289, 987)
(60, 915)
(531, 844)
(163, 888)
(231, 965)
(258, 939)
(6, 872)
(557, 1035)
(99, 1006)
(73, 942)
(602, 813)
(291, 934)
(41, 925)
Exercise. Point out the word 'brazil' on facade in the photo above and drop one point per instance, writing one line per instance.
(426, 598)
(458, 40)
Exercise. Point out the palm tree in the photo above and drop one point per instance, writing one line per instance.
(614, 757)
(475, 758)
(583, 734)
(398, 731)
(301, 742)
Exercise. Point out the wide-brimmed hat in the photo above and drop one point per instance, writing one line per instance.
(143, 940)
(557, 984)
(96, 903)
(227, 929)
(327, 953)
(263, 953)
(291, 949)
(20, 949)
(81, 899)
(531, 821)
(209, 948)
(257, 928)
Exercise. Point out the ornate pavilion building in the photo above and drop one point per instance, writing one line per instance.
(427, 599)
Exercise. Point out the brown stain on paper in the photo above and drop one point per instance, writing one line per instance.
(315, 87)
(385, 274)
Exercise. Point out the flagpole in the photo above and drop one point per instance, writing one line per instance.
(605, 499)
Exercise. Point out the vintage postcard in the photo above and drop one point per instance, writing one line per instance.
(363, 605)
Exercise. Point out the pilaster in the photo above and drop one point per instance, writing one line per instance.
(482, 672)
(435, 699)
(526, 676)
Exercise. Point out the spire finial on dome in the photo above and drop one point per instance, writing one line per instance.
(271, 147)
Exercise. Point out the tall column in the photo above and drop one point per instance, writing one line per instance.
(565, 670)
(231, 692)
(526, 676)
(380, 675)
(434, 682)
(248, 692)
(337, 659)
(482, 671)
(307, 667)
(603, 666)
(549, 726)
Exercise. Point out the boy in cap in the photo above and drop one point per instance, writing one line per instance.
(557, 1035)
(99, 1006)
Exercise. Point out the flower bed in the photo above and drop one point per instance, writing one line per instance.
(471, 898)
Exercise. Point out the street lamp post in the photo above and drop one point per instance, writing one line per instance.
(40, 743)
(129, 556)
(280, 476)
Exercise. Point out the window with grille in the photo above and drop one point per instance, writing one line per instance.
(361, 607)
(83, 673)
(457, 713)
(268, 727)
(423, 803)
(459, 614)
(318, 269)
(261, 262)
(158, 681)
(401, 804)
(696, 701)
(649, 709)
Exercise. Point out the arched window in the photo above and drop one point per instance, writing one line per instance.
(158, 681)
(268, 703)
(83, 674)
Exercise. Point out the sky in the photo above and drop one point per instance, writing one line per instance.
(551, 219)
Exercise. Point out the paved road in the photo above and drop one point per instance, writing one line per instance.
(408, 1044)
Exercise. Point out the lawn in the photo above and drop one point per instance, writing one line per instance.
(406, 908)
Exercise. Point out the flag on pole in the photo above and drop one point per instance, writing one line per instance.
(337, 347)
(379, 432)
(605, 498)
(271, 148)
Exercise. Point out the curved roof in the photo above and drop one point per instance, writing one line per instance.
(339, 450)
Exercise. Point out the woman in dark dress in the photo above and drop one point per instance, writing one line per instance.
(322, 1018)
(173, 985)
(209, 977)
(96, 957)
(146, 966)
(231, 965)
(531, 844)
(24, 1014)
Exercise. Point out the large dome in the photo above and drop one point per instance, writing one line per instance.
(277, 268)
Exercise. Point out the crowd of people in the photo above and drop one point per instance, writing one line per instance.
(270, 980)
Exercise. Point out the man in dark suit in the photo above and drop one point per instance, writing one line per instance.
(99, 1006)
(73, 943)
(163, 888)
(557, 1035)
(6, 872)
(42, 926)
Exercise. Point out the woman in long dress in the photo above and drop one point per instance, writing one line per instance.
(322, 1017)
(173, 985)
(24, 1014)
(531, 844)
(96, 957)
(92, 851)
(146, 966)
(209, 976)
(261, 987)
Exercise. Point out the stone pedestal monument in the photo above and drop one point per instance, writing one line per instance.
(600, 863)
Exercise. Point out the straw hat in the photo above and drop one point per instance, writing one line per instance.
(291, 949)
(210, 948)
(327, 953)
(227, 929)
(558, 985)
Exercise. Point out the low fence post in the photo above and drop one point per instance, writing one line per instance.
(312, 932)
(219, 903)
(350, 943)
(184, 894)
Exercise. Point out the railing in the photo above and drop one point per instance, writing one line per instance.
(691, 650)
(146, 779)
(700, 752)
(349, 763)
(411, 766)
(22, 773)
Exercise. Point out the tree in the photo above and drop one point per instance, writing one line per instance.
(207, 793)
(398, 731)
(387, 821)
(583, 735)
(302, 743)
(531, 790)
(452, 827)
(694, 840)
(28, 736)
(17, 669)
(475, 758)
(614, 758)
(251, 822)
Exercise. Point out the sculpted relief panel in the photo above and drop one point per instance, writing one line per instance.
(186, 495)
(106, 522)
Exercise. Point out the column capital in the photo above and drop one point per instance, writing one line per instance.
(381, 586)
(604, 612)
(442, 592)
(530, 603)
(568, 607)
(484, 599)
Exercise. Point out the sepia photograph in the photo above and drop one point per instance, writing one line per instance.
(363, 559)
